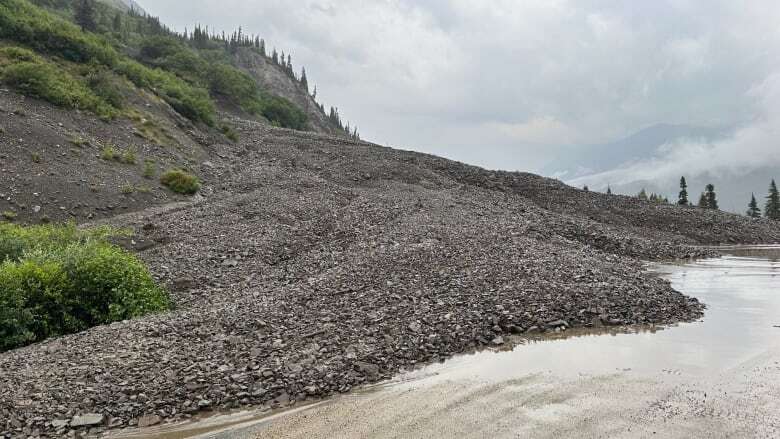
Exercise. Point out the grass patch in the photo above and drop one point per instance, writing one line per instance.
(35, 157)
(110, 154)
(180, 182)
(150, 169)
(128, 157)
(78, 141)
(56, 279)
(127, 189)
(8, 215)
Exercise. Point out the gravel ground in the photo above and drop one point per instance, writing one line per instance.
(313, 265)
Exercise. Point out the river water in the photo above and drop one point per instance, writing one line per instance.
(557, 384)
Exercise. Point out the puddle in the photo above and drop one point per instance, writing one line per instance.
(742, 293)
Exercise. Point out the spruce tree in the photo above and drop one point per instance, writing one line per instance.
(753, 210)
(703, 201)
(117, 23)
(304, 80)
(585, 188)
(772, 209)
(712, 198)
(85, 15)
(642, 194)
(609, 190)
(683, 197)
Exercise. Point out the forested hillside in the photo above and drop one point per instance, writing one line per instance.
(94, 56)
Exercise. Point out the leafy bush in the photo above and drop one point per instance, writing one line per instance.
(107, 87)
(229, 132)
(282, 112)
(57, 280)
(180, 182)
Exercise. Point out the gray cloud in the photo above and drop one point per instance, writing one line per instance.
(512, 85)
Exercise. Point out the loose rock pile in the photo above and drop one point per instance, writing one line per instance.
(315, 265)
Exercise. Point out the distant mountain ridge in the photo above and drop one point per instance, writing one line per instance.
(642, 145)
(599, 167)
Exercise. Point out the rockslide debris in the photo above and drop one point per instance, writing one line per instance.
(312, 265)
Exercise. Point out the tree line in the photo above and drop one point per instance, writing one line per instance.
(709, 200)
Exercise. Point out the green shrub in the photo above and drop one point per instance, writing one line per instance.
(46, 81)
(283, 113)
(229, 132)
(57, 280)
(180, 182)
(107, 87)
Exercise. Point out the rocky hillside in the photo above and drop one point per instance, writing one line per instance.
(312, 264)
(275, 79)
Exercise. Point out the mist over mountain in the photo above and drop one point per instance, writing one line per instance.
(582, 161)
(656, 157)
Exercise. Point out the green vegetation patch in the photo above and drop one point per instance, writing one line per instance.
(46, 33)
(33, 76)
(56, 280)
(180, 182)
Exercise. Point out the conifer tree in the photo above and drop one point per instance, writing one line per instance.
(85, 15)
(642, 194)
(712, 198)
(585, 188)
(116, 24)
(772, 209)
(753, 210)
(609, 190)
(683, 197)
(703, 201)
(304, 80)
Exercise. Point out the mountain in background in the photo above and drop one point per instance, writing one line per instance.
(643, 145)
(598, 166)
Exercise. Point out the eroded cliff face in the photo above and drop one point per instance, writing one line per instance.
(276, 81)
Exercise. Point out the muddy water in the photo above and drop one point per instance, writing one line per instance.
(532, 384)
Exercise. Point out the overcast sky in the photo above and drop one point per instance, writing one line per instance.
(511, 84)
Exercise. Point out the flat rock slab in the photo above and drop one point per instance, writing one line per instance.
(88, 420)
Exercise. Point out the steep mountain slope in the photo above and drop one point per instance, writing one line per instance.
(272, 78)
